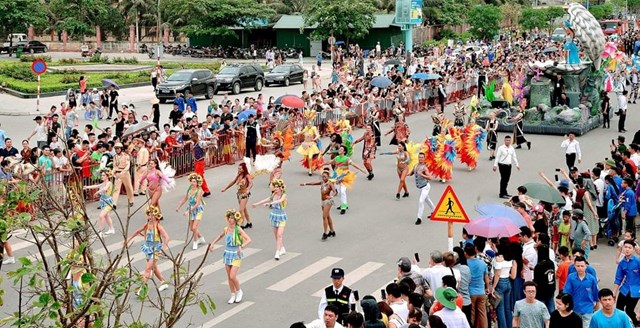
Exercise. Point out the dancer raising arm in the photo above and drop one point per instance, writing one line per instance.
(343, 175)
(402, 159)
(194, 207)
(277, 202)
(105, 190)
(245, 183)
(327, 192)
(368, 150)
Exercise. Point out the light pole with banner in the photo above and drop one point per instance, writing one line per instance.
(408, 14)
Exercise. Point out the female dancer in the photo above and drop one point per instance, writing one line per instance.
(402, 162)
(492, 134)
(423, 177)
(277, 202)
(400, 131)
(334, 146)
(369, 149)
(438, 120)
(155, 179)
(194, 207)
(518, 133)
(234, 240)
(459, 111)
(156, 239)
(309, 148)
(245, 183)
(327, 192)
(343, 175)
(105, 191)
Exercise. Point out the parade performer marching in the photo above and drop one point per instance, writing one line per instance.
(235, 239)
(459, 111)
(334, 145)
(404, 157)
(368, 150)
(400, 131)
(156, 239)
(105, 190)
(158, 177)
(421, 172)
(492, 134)
(441, 152)
(309, 149)
(438, 121)
(344, 177)
(277, 202)
(518, 132)
(195, 207)
(375, 126)
(282, 145)
(327, 192)
(470, 141)
(245, 182)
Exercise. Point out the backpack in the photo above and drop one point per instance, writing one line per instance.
(109, 163)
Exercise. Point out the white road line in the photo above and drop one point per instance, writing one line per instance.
(298, 277)
(186, 258)
(22, 244)
(356, 275)
(218, 265)
(376, 293)
(115, 247)
(263, 268)
(226, 315)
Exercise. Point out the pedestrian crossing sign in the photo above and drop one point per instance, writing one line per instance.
(449, 208)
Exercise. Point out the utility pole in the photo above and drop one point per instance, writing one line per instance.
(158, 33)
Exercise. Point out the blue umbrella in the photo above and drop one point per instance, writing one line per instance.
(244, 115)
(433, 77)
(278, 100)
(108, 83)
(420, 76)
(381, 82)
(495, 209)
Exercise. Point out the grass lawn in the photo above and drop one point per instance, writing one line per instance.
(18, 76)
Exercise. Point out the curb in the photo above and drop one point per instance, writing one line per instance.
(41, 112)
(22, 95)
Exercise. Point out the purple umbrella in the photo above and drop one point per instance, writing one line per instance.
(108, 83)
(492, 227)
(496, 209)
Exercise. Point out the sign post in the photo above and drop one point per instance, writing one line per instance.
(450, 210)
(38, 67)
(408, 14)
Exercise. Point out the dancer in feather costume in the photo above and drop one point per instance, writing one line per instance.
(470, 145)
(311, 159)
(344, 177)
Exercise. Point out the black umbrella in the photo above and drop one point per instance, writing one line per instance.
(392, 62)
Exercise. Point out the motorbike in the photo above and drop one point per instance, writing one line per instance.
(144, 49)
(84, 50)
(152, 54)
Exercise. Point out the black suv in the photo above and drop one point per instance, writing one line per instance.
(236, 77)
(197, 81)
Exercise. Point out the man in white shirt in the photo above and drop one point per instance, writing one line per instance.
(622, 110)
(40, 132)
(572, 149)
(329, 317)
(336, 295)
(529, 253)
(396, 302)
(505, 158)
(433, 275)
(635, 156)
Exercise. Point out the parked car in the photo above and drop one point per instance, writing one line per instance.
(12, 41)
(197, 81)
(558, 34)
(33, 46)
(284, 74)
(239, 76)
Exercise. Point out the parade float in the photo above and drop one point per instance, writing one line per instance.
(530, 96)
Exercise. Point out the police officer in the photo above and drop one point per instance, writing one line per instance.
(337, 295)
(252, 136)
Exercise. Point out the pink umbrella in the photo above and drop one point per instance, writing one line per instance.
(492, 227)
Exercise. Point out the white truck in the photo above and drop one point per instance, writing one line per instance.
(12, 41)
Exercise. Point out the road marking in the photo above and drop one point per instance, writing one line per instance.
(217, 265)
(226, 315)
(139, 256)
(186, 258)
(377, 294)
(298, 277)
(115, 247)
(356, 275)
(22, 244)
(263, 268)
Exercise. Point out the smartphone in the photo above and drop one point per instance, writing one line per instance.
(613, 142)
(556, 176)
(557, 170)
(356, 295)
(353, 307)
(417, 257)
(383, 293)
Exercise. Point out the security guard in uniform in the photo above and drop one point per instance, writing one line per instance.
(337, 295)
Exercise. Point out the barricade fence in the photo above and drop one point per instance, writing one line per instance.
(229, 148)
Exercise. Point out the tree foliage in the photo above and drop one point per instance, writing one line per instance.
(533, 18)
(17, 15)
(80, 17)
(351, 19)
(601, 11)
(484, 21)
(511, 12)
(213, 17)
(447, 12)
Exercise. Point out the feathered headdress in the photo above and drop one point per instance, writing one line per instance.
(310, 114)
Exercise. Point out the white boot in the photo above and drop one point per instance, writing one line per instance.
(239, 296)
(195, 245)
(9, 260)
(282, 251)
(232, 299)
(277, 256)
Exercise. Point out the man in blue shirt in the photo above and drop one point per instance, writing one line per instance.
(191, 101)
(572, 268)
(609, 316)
(584, 289)
(629, 208)
(478, 287)
(628, 281)
(180, 102)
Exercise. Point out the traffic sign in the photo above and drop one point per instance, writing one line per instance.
(39, 66)
(449, 208)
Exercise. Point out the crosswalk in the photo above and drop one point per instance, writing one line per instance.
(293, 272)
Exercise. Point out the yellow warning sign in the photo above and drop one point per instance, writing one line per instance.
(449, 208)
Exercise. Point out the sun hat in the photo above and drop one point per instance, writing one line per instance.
(447, 297)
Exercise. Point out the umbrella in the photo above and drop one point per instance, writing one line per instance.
(143, 125)
(496, 209)
(392, 62)
(420, 76)
(549, 49)
(433, 77)
(278, 100)
(108, 83)
(544, 193)
(492, 227)
(609, 30)
(381, 82)
(292, 102)
(244, 115)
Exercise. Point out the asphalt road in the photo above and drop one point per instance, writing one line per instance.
(375, 232)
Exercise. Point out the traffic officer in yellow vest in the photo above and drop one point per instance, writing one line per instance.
(337, 295)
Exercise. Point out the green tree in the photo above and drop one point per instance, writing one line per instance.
(553, 13)
(533, 18)
(351, 19)
(80, 17)
(484, 21)
(213, 17)
(621, 5)
(447, 12)
(511, 13)
(601, 11)
(136, 11)
(17, 15)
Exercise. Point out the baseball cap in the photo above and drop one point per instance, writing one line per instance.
(38, 118)
(447, 297)
(564, 183)
(337, 273)
(578, 212)
(405, 264)
(538, 208)
(573, 169)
